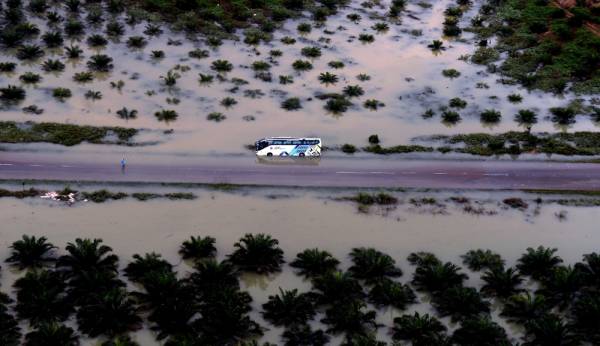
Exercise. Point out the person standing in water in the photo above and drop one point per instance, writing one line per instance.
(123, 163)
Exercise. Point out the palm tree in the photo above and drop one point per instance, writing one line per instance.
(211, 276)
(369, 339)
(52, 334)
(311, 52)
(170, 303)
(141, 266)
(97, 40)
(386, 292)
(460, 303)
(10, 333)
(423, 258)
(586, 316)
(112, 313)
(136, 42)
(328, 78)
(523, 307)
(198, 248)
(73, 5)
(303, 335)
(501, 283)
(88, 285)
(52, 65)
(590, 269)
(73, 52)
(121, 340)
(549, 330)
(350, 317)
(480, 331)
(115, 28)
(53, 39)
(436, 45)
(479, 259)
(562, 286)
(127, 114)
(418, 329)
(166, 115)
(31, 252)
(336, 286)
(353, 91)
(289, 308)
(314, 262)
(257, 253)
(41, 297)
(225, 318)
(371, 265)
(30, 52)
(221, 66)
(538, 263)
(437, 277)
(170, 78)
(100, 63)
(87, 255)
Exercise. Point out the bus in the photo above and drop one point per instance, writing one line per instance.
(288, 146)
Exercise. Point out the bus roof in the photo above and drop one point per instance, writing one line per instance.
(280, 138)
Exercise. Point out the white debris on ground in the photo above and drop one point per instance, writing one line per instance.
(55, 196)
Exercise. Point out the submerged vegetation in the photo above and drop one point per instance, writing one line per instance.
(208, 305)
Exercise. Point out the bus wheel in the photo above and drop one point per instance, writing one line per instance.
(301, 154)
(269, 154)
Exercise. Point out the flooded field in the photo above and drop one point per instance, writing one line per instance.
(303, 219)
(404, 74)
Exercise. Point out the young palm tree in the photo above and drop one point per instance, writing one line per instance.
(336, 286)
(53, 39)
(303, 335)
(112, 313)
(418, 329)
(562, 285)
(31, 252)
(386, 292)
(311, 52)
(30, 52)
(170, 78)
(479, 259)
(314, 262)
(136, 42)
(437, 277)
(100, 63)
(328, 78)
(88, 285)
(356, 339)
(97, 40)
(10, 333)
(198, 248)
(52, 334)
(73, 52)
(460, 303)
(166, 115)
(480, 331)
(501, 283)
(41, 297)
(371, 265)
(211, 276)
(289, 308)
(221, 66)
(87, 255)
(549, 330)
(127, 114)
(538, 263)
(436, 45)
(257, 253)
(523, 307)
(53, 65)
(353, 91)
(141, 266)
(350, 317)
(115, 29)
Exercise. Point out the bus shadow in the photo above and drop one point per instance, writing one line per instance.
(288, 160)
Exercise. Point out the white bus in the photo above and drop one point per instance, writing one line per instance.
(288, 146)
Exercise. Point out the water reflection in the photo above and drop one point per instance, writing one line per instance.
(288, 160)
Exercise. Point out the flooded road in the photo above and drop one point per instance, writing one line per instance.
(317, 173)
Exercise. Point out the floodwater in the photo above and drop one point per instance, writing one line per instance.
(405, 75)
(299, 219)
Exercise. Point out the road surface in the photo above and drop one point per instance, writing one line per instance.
(327, 173)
